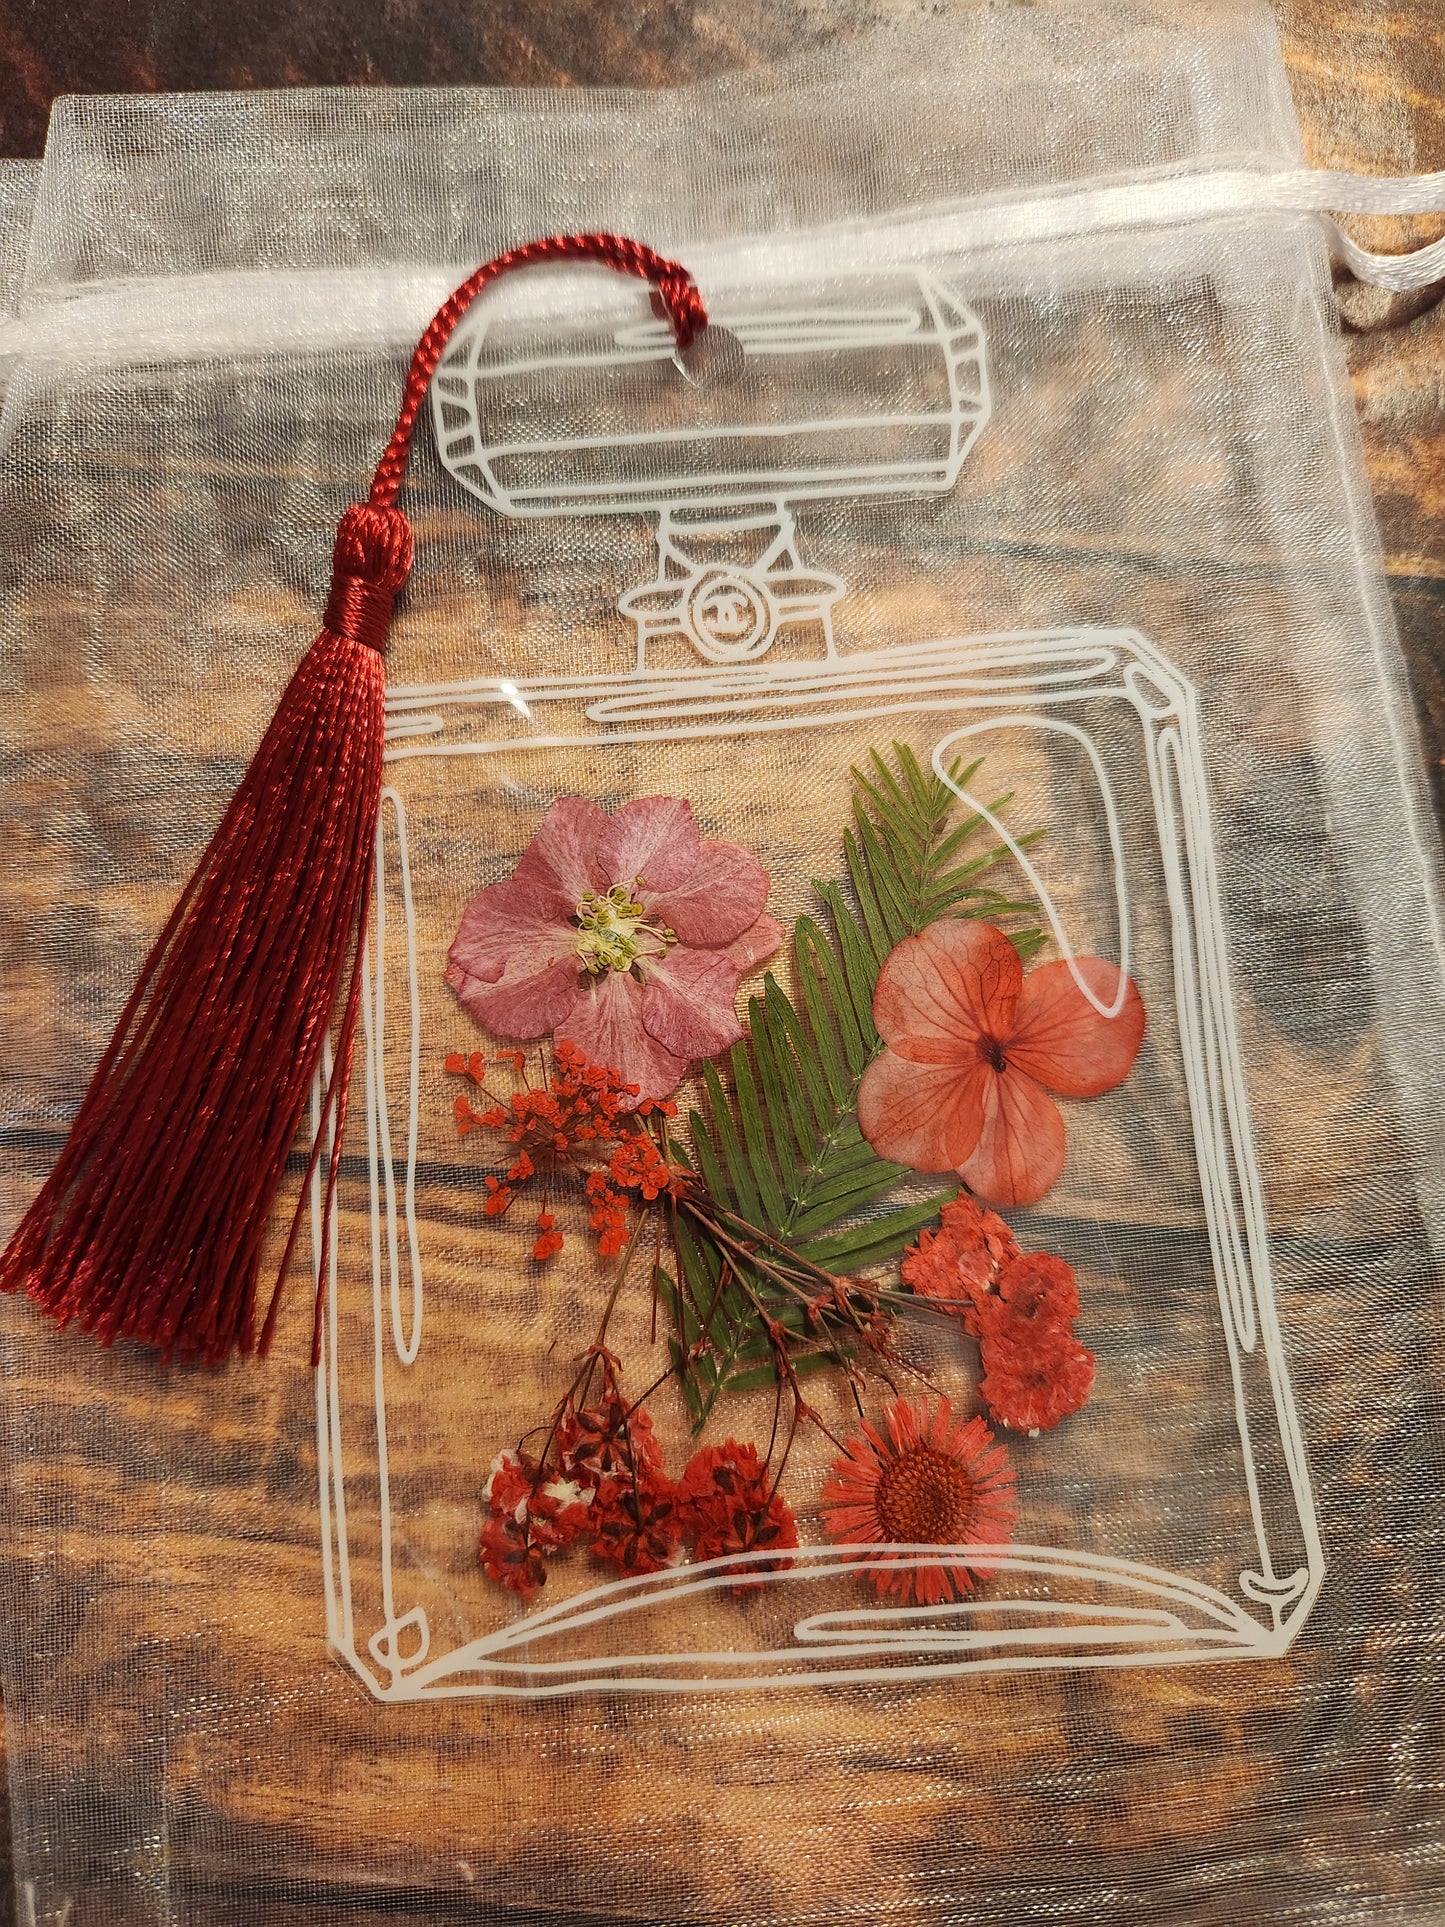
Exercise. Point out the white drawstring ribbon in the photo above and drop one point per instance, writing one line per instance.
(189, 317)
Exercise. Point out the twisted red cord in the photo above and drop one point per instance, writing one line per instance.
(673, 283)
(152, 1223)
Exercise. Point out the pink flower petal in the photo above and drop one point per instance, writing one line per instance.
(689, 1002)
(523, 1006)
(755, 945)
(561, 860)
(1020, 1150)
(606, 1026)
(1060, 1039)
(654, 838)
(721, 897)
(942, 995)
(927, 1116)
(508, 924)
(513, 962)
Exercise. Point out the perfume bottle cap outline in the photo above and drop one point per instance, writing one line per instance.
(881, 390)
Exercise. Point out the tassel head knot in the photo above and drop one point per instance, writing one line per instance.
(371, 562)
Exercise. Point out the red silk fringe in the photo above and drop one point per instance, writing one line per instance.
(151, 1224)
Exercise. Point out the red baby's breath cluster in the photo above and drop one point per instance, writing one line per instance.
(600, 1479)
(581, 1124)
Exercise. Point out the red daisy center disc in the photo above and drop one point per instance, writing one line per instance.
(924, 1499)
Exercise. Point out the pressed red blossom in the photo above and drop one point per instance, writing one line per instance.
(958, 1266)
(729, 1504)
(638, 1166)
(973, 1048)
(529, 1514)
(637, 1524)
(607, 1444)
(635, 1173)
(1035, 1372)
(1031, 1382)
(1035, 1289)
(549, 1238)
(1020, 1306)
(929, 1480)
(511, 1556)
(624, 935)
(609, 1215)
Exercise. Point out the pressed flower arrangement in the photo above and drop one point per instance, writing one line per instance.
(778, 1226)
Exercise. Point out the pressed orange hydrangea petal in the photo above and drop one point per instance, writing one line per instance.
(1060, 1038)
(940, 995)
(927, 1116)
(1021, 1148)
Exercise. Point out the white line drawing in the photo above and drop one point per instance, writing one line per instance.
(721, 481)
(959, 688)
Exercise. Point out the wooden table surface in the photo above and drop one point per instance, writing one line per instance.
(1368, 78)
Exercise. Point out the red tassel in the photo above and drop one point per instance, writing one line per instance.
(152, 1223)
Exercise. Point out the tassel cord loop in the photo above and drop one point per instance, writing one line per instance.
(676, 291)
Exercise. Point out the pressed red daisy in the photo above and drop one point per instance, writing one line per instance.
(934, 1480)
(729, 1505)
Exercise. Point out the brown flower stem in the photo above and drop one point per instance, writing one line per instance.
(771, 1270)
(643, 1397)
(704, 1336)
(705, 1333)
(787, 1450)
(829, 1278)
(773, 1435)
(607, 1310)
(756, 1260)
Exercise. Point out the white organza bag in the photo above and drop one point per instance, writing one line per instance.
(892, 1199)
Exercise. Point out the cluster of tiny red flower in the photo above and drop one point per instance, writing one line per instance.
(1021, 1308)
(581, 1113)
(601, 1479)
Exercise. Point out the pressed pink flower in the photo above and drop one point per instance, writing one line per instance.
(932, 1481)
(625, 935)
(973, 1048)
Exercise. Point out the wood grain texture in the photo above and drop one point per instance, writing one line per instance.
(1370, 83)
